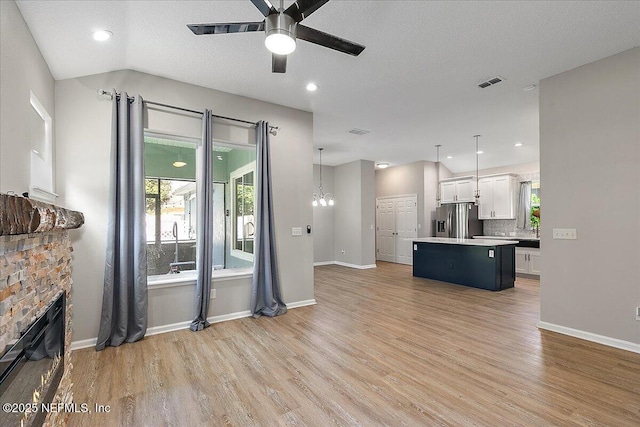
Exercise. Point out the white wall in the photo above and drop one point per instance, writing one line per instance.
(590, 173)
(323, 241)
(354, 213)
(419, 178)
(22, 69)
(83, 134)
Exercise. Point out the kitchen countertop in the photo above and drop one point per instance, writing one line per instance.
(469, 242)
(506, 238)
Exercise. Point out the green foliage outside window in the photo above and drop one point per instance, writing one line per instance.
(151, 187)
(535, 205)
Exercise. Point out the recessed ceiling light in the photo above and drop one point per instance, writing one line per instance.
(179, 164)
(382, 165)
(102, 35)
(449, 157)
(518, 144)
(529, 88)
(312, 87)
(479, 152)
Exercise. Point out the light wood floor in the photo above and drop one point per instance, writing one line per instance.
(380, 348)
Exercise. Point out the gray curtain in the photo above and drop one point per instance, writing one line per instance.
(266, 297)
(524, 206)
(124, 300)
(204, 223)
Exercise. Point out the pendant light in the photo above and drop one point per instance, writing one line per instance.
(477, 195)
(322, 198)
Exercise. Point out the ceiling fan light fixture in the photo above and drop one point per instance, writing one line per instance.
(281, 33)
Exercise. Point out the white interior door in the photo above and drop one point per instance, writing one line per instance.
(406, 228)
(386, 229)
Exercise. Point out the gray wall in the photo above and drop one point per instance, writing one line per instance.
(83, 129)
(322, 231)
(520, 169)
(23, 69)
(590, 172)
(354, 213)
(367, 212)
(419, 178)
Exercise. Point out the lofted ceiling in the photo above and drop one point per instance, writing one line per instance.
(414, 86)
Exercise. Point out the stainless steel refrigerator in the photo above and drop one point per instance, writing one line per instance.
(458, 220)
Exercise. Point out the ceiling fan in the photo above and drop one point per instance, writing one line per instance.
(282, 27)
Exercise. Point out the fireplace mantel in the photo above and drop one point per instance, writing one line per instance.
(20, 215)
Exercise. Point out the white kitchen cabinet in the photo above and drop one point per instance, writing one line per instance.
(528, 261)
(497, 196)
(457, 190)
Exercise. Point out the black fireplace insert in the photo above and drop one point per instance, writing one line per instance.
(31, 369)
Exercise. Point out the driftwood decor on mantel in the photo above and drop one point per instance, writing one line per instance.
(20, 215)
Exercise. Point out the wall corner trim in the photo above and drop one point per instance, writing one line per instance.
(600, 339)
(91, 342)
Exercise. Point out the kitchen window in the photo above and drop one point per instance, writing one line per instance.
(242, 183)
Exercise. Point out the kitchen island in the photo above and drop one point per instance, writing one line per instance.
(479, 263)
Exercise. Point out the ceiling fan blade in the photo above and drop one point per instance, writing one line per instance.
(301, 9)
(230, 27)
(279, 63)
(327, 40)
(266, 8)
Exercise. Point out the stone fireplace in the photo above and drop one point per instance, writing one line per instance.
(35, 290)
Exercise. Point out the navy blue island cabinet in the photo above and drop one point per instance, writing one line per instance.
(484, 264)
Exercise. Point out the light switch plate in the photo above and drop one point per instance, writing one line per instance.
(296, 231)
(565, 234)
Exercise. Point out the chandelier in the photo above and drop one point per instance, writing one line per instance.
(321, 197)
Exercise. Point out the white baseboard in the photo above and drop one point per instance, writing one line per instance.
(344, 264)
(316, 264)
(600, 339)
(359, 267)
(304, 303)
(155, 330)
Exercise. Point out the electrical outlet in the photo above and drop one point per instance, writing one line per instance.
(637, 313)
(565, 234)
(213, 294)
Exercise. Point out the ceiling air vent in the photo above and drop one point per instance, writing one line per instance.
(357, 131)
(490, 82)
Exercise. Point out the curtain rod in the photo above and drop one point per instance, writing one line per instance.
(273, 130)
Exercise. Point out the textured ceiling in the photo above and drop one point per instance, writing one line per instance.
(414, 86)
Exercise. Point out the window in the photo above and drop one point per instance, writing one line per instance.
(170, 188)
(535, 204)
(41, 167)
(171, 204)
(243, 209)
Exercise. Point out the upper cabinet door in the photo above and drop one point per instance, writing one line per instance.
(485, 203)
(502, 198)
(465, 190)
(457, 190)
(497, 197)
(448, 192)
